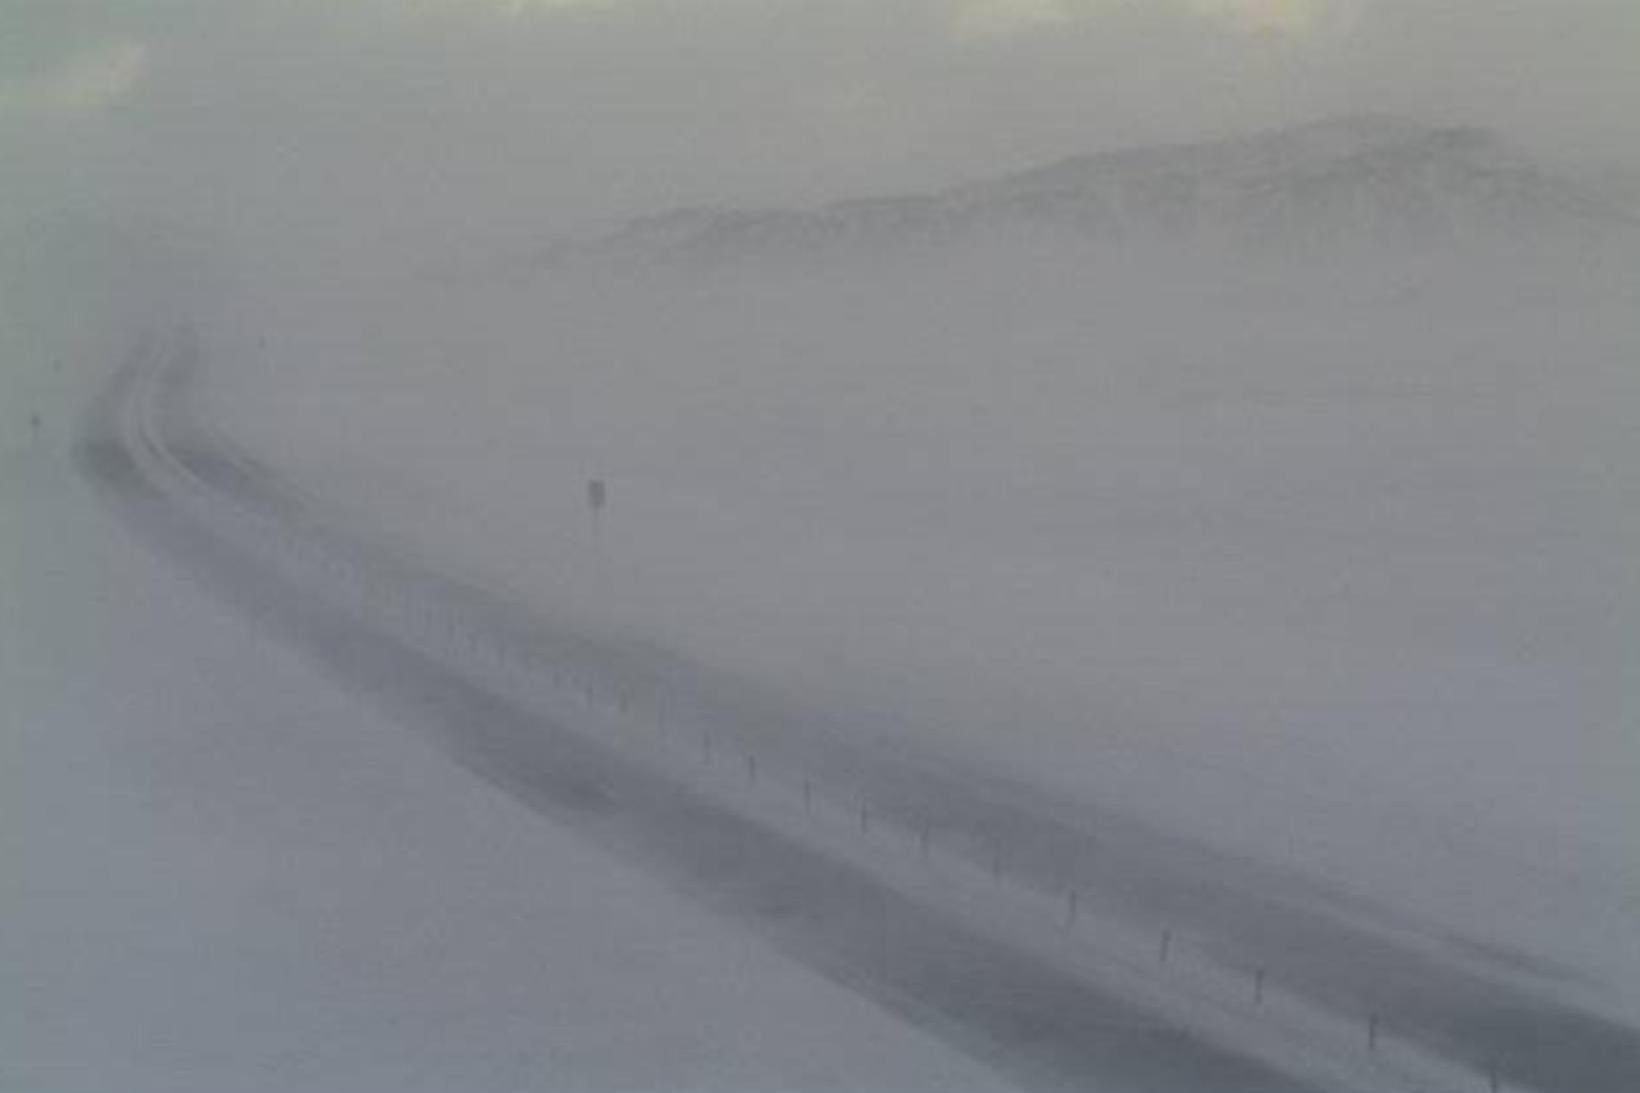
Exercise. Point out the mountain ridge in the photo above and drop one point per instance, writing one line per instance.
(1364, 178)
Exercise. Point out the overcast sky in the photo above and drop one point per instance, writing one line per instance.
(316, 117)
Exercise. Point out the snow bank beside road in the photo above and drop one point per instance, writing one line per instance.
(1333, 566)
(221, 872)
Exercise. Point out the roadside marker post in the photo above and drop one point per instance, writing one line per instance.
(597, 501)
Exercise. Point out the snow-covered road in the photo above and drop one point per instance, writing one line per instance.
(219, 871)
(1039, 1024)
(494, 686)
(550, 716)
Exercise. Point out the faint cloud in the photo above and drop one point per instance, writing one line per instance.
(530, 7)
(87, 82)
(1003, 18)
(981, 19)
(520, 7)
(1279, 16)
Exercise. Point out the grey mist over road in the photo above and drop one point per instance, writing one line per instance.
(589, 545)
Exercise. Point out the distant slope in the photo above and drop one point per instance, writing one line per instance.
(1363, 179)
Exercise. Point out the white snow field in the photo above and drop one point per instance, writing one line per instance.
(219, 871)
(1334, 567)
(1132, 665)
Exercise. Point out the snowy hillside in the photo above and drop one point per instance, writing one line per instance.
(1365, 179)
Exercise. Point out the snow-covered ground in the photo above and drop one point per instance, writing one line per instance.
(1329, 565)
(220, 871)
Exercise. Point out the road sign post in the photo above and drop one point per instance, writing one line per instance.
(597, 501)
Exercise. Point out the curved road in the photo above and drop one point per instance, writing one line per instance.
(237, 527)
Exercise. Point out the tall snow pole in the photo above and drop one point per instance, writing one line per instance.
(597, 499)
